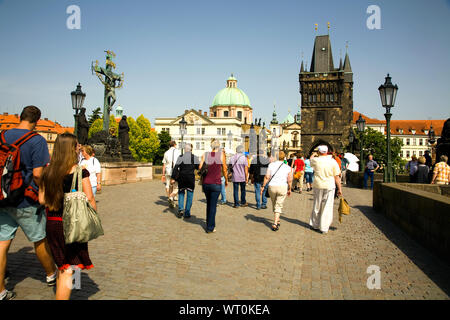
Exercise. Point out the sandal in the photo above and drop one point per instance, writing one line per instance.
(275, 227)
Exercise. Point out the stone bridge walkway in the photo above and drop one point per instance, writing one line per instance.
(148, 253)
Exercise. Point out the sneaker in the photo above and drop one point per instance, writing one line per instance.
(235, 206)
(244, 205)
(51, 281)
(180, 213)
(207, 231)
(263, 207)
(171, 203)
(258, 208)
(9, 295)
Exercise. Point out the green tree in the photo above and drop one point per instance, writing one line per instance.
(164, 140)
(96, 114)
(144, 142)
(97, 126)
(375, 143)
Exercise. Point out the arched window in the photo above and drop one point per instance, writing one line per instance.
(239, 115)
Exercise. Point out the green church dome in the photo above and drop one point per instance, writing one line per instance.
(231, 95)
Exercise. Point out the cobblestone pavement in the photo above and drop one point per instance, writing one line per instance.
(148, 253)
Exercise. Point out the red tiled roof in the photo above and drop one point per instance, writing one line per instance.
(407, 125)
(9, 121)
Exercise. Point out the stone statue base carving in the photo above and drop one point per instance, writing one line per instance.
(107, 148)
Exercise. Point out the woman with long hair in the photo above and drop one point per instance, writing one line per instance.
(55, 181)
(212, 184)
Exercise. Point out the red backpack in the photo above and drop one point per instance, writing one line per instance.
(12, 185)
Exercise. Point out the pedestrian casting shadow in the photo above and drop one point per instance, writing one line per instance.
(163, 201)
(436, 269)
(24, 264)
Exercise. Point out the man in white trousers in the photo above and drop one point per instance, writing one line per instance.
(326, 178)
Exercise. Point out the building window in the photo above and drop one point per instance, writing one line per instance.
(203, 130)
(215, 114)
(407, 153)
(224, 131)
(327, 98)
(225, 114)
(414, 152)
(49, 136)
(310, 98)
(197, 145)
(414, 141)
(218, 131)
(223, 145)
(202, 146)
(320, 120)
(239, 115)
(420, 153)
(198, 131)
(407, 141)
(314, 98)
(332, 97)
(420, 142)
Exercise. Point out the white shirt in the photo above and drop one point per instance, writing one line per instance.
(325, 169)
(93, 166)
(170, 159)
(281, 176)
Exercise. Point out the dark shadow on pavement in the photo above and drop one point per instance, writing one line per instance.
(24, 264)
(265, 221)
(194, 220)
(436, 269)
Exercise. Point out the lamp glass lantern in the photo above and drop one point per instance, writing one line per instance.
(388, 93)
(183, 125)
(78, 97)
(431, 135)
(361, 124)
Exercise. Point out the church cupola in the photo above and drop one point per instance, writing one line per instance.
(232, 82)
(274, 117)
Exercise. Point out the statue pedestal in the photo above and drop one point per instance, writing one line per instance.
(120, 172)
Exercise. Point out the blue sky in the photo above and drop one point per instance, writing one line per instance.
(178, 54)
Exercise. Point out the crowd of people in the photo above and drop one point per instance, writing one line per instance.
(38, 209)
(274, 177)
(421, 169)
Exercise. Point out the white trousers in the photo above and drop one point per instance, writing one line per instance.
(322, 213)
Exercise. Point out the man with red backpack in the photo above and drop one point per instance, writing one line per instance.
(18, 199)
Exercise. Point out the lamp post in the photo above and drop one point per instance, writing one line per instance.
(351, 138)
(431, 141)
(182, 124)
(77, 103)
(229, 138)
(388, 93)
(361, 126)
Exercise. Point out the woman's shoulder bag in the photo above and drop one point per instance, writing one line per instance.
(81, 222)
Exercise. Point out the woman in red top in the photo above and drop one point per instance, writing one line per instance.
(212, 183)
(299, 172)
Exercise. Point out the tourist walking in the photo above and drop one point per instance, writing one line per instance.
(441, 173)
(169, 160)
(422, 170)
(257, 172)
(184, 174)
(299, 172)
(57, 180)
(34, 156)
(309, 175)
(211, 184)
(344, 166)
(371, 167)
(327, 178)
(279, 181)
(239, 170)
(91, 164)
(411, 166)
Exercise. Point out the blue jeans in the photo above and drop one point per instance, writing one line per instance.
(367, 174)
(258, 199)
(212, 192)
(236, 193)
(190, 196)
(309, 176)
(223, 192)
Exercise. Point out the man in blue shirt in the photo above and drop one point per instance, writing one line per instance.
(371, 167)
(34, 157)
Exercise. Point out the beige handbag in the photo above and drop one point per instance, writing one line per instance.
(344, 208)
(81, 222)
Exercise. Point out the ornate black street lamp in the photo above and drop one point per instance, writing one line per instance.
(361, 126)
(351, 138)
(183, 125)
(230, 139)
(431, 140)
(388, 93)
(78, 97)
